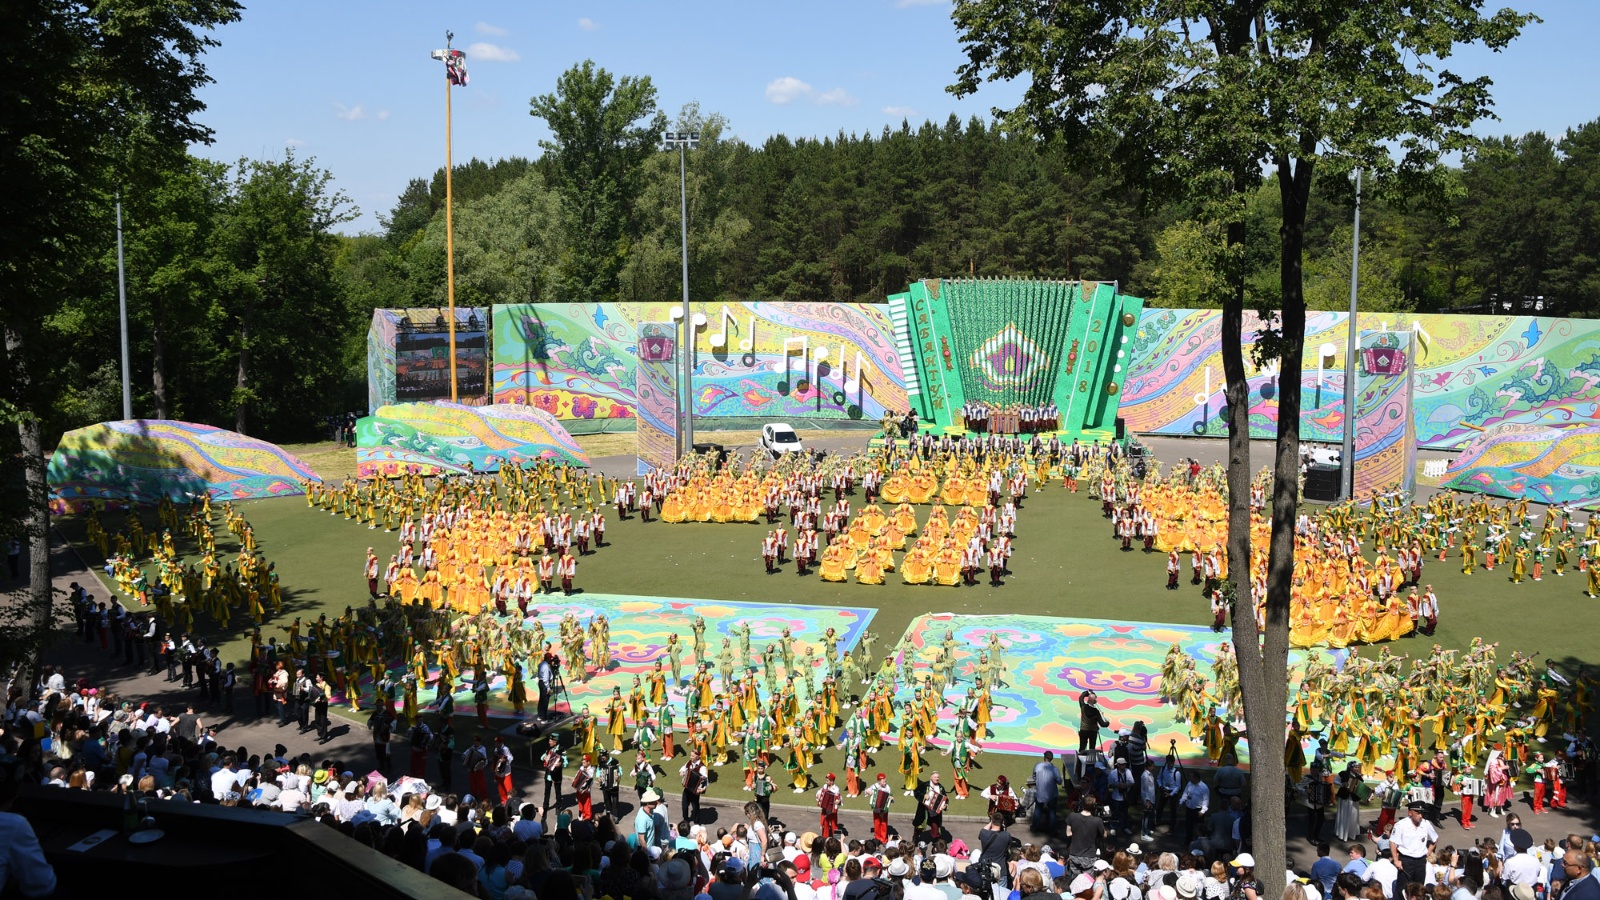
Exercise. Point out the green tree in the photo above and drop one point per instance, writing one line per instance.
(1197, 99)
(598, 146)
(654, 268)
(277, 247)
(507, 244)
(74, 73)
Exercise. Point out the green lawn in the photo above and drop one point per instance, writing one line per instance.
(1066, 564)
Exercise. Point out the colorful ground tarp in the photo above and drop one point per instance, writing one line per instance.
(1546, 464)
(1050, 661)
(640, 627)
(444, 438)
(141, 461)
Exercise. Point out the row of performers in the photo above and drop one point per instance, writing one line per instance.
(1011, 418)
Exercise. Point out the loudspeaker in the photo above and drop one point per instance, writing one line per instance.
(1122, 428)
(1322, 482)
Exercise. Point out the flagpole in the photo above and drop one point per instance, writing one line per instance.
(449, 240)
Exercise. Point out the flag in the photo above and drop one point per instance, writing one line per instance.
(455, 67)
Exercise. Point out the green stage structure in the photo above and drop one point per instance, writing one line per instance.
(1009, 342)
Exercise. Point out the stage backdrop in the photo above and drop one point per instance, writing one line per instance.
(1469, 373)
(751, 359)
(408, 356)
(141, 461)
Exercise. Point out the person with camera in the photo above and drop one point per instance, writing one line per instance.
(1085, 830)
(995, 844)
(1090, 721)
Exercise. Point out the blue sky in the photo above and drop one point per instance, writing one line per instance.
(350, 82)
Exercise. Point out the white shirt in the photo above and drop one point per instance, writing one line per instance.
(1521, 869)
(1413, 839)
(223, 781)
(1384, 873)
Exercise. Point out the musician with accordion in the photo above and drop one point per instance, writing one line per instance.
(879, 796)
(1003, 801)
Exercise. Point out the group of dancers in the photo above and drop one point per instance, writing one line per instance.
(1339, 597)
(178, 589)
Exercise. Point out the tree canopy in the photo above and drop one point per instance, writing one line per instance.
(1197, 101)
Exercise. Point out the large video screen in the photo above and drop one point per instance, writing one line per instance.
(422, 363)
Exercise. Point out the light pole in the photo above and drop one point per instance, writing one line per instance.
(455, 73)
(683, 142)
(1347, 454)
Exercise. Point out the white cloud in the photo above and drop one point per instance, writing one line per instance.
(836, 97)
(294, 142)
(483, 51)
(492, 30)
(901, 112)
(786, 90)
(588, 24)
(349, 113)
(383, 115)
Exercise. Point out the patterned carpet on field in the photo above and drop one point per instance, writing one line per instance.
(640, 627)
(1050, 661)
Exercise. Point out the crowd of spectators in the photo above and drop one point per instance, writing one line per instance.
(76, 737)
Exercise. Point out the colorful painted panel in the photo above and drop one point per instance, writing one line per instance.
(1491, 370)
(572, 360)
(1050, 661)
(442, 438)
(797, 360)
(1176, 386)
(1469, 371)
(142, 461)
(640, 627)
(656, 387)
(1385, 433)
(752, 359)
(1543, 463)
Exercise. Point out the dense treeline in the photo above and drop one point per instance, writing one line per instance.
(249, 311)
(854, 217)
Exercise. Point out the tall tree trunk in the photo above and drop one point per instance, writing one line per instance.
(241, 384)
(1247, 641)
(39, 618)
(158, 362)
(1264, 680)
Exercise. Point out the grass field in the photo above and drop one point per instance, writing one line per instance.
(1066, 564)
